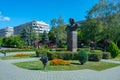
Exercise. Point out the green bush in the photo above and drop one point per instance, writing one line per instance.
(82, 56)
(66, 55)
(106, 55)
(51, 55)
(69, 55)
(86, 49)
(113, 49)
(61, 49)
(41, 52)
(19, 50)
(96, 51)
(94, 56)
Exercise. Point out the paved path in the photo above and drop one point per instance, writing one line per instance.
(111, 61)
(11, 72)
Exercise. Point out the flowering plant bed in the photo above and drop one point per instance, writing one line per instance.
(18, 56)
(59, 62)
(21, 55)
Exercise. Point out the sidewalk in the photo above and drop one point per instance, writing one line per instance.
(9, 71)
(111, 61)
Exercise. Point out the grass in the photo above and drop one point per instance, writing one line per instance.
(117, 58)
(37, 65)
(12, 57)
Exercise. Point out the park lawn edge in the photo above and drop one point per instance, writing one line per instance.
(75, 65)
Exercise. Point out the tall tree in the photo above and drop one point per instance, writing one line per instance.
(0, 41)
(58, 33)
(13, 41)
(60, 21)
(27, 35)
(53, 22)
(45, 37)
(107, 12)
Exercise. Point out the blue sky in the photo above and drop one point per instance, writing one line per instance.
(16, 12)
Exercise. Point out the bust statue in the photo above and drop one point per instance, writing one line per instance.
(73, 26)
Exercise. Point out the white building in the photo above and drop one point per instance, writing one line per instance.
(7, 32)
(40, 26)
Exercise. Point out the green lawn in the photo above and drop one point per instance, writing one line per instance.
(12, 57)
(37, 65)
(117, 58)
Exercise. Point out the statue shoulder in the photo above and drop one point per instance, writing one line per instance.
(68, 27)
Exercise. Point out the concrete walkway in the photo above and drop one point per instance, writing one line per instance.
(10, 72)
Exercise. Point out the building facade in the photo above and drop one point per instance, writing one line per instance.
(7, 32)
(38, 26)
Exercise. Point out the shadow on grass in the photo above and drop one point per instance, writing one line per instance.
(35, 69)
(75, 63)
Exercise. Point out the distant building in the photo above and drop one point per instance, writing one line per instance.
(18, 29)
(38, 26)
(7, 32)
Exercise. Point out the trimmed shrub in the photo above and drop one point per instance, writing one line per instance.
(59, 62)
(113, 49)
(61, 49)
(70, 56)
(96, 51)
(106, 55)
(94, 56)
(41, 52)
(86, 49)
(82, 56)
(62, 55)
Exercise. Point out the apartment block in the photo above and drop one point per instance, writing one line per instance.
(38, 26)
(7, 32)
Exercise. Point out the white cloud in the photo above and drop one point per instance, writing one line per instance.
(4, 18)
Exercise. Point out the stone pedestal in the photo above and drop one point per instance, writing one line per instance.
(72, 41)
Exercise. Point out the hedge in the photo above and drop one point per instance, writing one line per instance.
(94, 56)
(41, 52)
(106, 55)
(62, 55)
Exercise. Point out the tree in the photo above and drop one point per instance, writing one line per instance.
(45, 38)
(53, 22)
(105, 16)
(27, 35)
(0, 41)
(91, 32)
(16, 41)
(107, 12)
(6, 41)
(60, 21)
(13, 41)
(58, 32)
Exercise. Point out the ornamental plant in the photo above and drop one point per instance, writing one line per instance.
(82, 56)
(113, 49)
(59, 62)
(21, 55)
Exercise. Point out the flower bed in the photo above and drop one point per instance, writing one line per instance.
(59, 62)
(21, 55)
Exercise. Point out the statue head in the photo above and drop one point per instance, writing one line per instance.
(71, 20)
